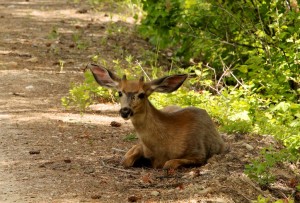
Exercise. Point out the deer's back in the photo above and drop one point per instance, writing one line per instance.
(182, 133)
(194, 128)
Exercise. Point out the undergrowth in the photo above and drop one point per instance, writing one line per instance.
(235, 110)
(243, 62)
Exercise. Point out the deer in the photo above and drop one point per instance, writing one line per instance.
(170, 138)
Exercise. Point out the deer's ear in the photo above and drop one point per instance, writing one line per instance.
(166, 84)
(103, 76)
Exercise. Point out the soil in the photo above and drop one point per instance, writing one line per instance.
(50, 154)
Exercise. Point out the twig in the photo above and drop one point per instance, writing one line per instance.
(118, 150)
(216, 90)
(143, 70)
(18, 94)
(215, 74)
(228, 70)
(237, 79)
(223, 75)
(119, 169)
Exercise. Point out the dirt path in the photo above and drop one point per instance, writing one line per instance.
(39, 142)
(48, 154)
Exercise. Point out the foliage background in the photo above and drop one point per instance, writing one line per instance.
(243, 60)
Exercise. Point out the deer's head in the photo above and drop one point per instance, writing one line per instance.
(134, 93)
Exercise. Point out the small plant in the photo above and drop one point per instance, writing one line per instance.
(53, 33)
(260, 169)
(61, 66)
(83, 95)
(130, 137)
(237, 126)
(261, 199)
(80, 44)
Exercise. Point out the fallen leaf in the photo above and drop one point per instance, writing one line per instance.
(147, 178)
(293, 183)
(96, 196)
(297, 196)
(133, 198)
(171, 171)
(34, 152)
(83, 10)
(115, 124)
(18, 94)
(180, 187)
(67, 161)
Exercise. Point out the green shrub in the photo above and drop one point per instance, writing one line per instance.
(83, 95)
(258, 41)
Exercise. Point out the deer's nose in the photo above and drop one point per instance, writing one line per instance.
(126, 112)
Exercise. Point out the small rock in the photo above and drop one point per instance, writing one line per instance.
(34, 152)
(205, 191)
(89, 170)
(155, 193)
(193, 174)
(248, 146)
(33, 60)
(169, 54)
(48, 163)
(61, 167)
(29, 87)
(230, 137)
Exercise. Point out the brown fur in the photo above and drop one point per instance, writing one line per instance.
(171, 137)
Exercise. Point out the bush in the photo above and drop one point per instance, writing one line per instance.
(257, 41)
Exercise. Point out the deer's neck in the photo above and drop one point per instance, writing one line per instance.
(148, 119)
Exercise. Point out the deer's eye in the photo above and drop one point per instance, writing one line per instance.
(120, 94)
(141, 95)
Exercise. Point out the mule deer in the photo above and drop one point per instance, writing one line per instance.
(171, 137)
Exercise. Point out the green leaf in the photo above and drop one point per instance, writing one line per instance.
(243, 68)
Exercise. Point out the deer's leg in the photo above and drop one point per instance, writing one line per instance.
(132, 155)
(175, 163)
(156, 163)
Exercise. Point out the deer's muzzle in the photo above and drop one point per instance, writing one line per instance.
(126, 112)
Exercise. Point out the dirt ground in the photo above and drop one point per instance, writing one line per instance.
(49, 154)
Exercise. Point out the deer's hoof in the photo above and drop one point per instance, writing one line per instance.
(171, 164)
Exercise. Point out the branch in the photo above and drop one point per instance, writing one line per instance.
(118, 150)
(143, 70)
